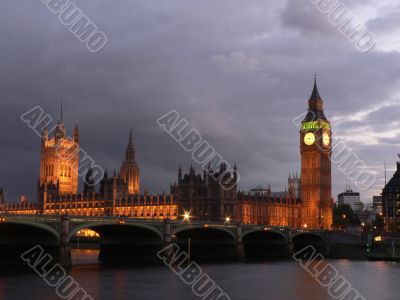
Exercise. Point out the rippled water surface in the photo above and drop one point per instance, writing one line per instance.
(271, 280)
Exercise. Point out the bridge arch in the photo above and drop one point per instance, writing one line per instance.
(94, 225)
(125, 242)
(202, 227)
(44, 227)
(16, 237)
(206, 243)
(272, 231)
(265, 244)
(315, 233)
(315, 239)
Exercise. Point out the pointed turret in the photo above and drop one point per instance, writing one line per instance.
(60, 129)
(130, 150)
(76, 134)
(179, 173)
(104, 184)
(235, 173)
(191, 171)
(45, 135)
(61, 112)
(89, 186)
(315, 106)
(129, 171)
(1, 195)
(315, 94)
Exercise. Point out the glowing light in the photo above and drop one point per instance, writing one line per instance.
(362, 224)
(315, 125)
(186, 216)
(381, 214)
(121, 221)
(309, 138)
(227, 219)
(205, 225)
(378, 238)
(344, 216)
(2, 219)
(87, 233)
(326, 139)
(305, 226)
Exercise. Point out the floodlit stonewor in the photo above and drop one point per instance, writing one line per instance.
(307, 203)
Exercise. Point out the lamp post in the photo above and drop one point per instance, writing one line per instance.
(189, 249)
(187, 216)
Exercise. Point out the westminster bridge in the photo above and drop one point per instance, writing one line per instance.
(129, 239)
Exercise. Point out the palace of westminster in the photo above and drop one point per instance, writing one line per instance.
(307, 203)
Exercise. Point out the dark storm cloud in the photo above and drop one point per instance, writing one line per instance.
(240, 72)
(304, 16)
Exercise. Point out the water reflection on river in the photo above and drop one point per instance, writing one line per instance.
(270, 280)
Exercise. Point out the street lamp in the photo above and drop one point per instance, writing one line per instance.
(187, 216)
(227, 219)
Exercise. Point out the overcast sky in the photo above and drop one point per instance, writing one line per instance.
(238, 71)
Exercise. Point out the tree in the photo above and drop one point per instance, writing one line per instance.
(378, 222)
(344, 216)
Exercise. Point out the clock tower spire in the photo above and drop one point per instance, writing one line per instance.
(316, 150)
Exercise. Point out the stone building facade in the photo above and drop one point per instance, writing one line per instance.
(207, 200)
(307, 202)
(316, 151)
(59, 161)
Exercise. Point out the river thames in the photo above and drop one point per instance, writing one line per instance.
(266, 280)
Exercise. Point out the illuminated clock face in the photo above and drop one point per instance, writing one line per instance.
(309, 138)
(326, 139)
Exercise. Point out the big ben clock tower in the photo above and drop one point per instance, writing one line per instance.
(315, 150)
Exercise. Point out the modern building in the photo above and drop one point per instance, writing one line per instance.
(391, 202)
(351, 198)
(377, 204)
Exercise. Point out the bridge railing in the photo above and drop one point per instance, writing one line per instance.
(6, 217)
(73, 218)
(191, 223)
